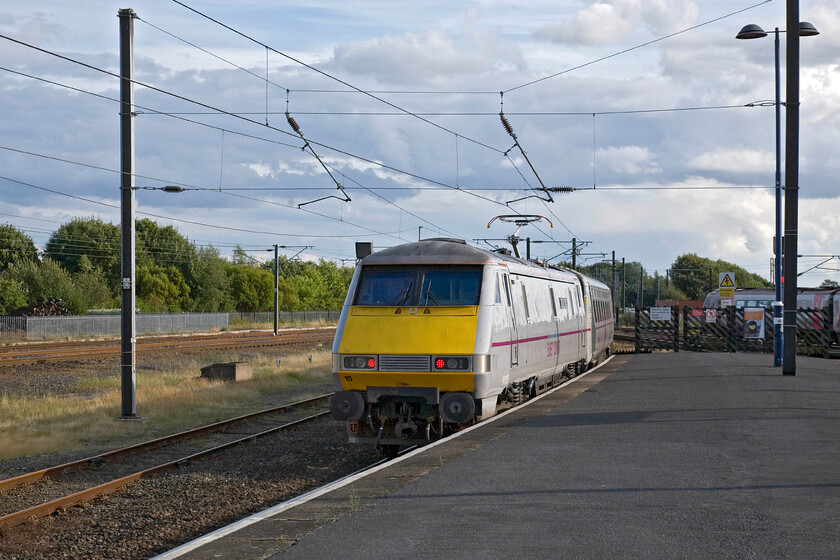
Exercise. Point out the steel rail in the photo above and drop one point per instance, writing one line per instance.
(112, 456)
(25, 347)
(39, 353)
(8, 522)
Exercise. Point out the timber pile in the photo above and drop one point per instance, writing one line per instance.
(50, 308)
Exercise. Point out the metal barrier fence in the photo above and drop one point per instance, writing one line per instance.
(729, 330)
(146, 323)
(286, 316)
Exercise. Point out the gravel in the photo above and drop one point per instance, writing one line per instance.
(154, 515)
(151, 516)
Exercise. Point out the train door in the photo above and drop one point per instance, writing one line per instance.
(556, 319)
(586, 323)
(514, 333)
(579, 311)
(593, 323)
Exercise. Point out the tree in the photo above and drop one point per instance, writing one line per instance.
(161, 288)
(94, 288)
(12, 294)
(15, 246)
(672, 292)
(165, 247)
(828, 283)
(252, 289)
(287, 295)
(241, 257)
(90, 237)
(45, 281)
(320, 286)
(697, 276)
(211, 290)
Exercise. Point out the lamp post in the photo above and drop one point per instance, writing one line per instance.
(753, 31)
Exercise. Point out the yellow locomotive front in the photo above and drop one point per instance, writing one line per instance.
(404, 349)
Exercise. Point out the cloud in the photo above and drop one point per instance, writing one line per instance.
(611, 22)
(433, 48)
(734, 161)
(427, 57)
(631, 160)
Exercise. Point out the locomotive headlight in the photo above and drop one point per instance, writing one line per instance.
(359, 362)
(451, 363)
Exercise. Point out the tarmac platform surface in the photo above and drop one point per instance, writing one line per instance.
(665, 455)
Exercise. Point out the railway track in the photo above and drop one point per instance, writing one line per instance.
(48, 490)
(30, 353)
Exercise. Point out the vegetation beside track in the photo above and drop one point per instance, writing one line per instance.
(75, 408)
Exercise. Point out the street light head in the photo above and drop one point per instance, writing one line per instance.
(807, 29)
(753, 31)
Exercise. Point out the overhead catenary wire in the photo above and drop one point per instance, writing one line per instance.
(636, 47)
(204, 224)
(509, 129)
(374, 188)
(360, 185)
(221, 111)
(328, 147)
(489, 113)
(293, 123)
(334, 78)
(347, 84)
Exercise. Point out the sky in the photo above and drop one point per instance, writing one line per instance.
(659, 119)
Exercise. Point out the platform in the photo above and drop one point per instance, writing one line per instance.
(686, 455)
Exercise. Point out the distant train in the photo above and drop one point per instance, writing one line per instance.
(806, 298)
(434, 335)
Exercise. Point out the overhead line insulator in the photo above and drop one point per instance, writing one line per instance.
(293, 123)
(507, 125)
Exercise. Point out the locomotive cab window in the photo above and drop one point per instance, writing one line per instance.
(428, 286)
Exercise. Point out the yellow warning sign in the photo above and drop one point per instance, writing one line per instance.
(726, 283)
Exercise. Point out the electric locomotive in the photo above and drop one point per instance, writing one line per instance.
(434, 335)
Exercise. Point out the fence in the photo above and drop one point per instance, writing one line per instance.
(727, 330)
(286, 316)
(146, 323)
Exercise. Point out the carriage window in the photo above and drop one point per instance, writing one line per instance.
(400, 285)
(498, 290)
(553, 303)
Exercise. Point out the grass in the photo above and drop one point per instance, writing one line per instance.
(170, 397)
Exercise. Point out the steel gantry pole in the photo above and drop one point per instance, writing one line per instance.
(276, 287)
(781, 311)
(778, 307)
(127, 257)
(791, 187)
